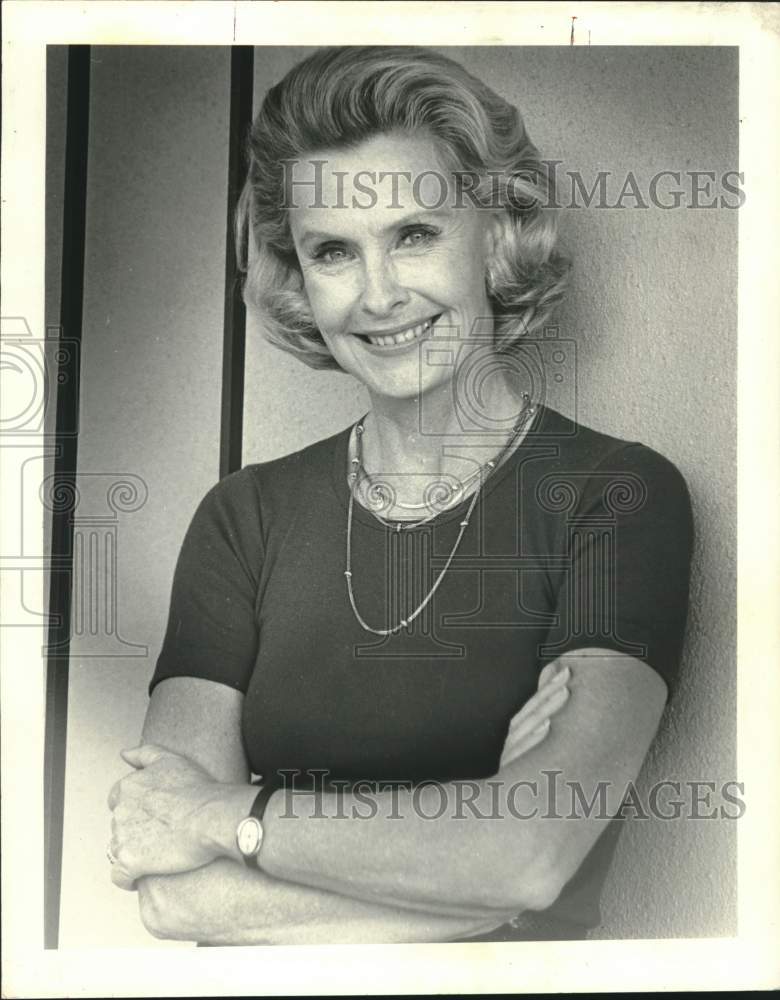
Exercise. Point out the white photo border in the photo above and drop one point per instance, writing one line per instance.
(748, 960)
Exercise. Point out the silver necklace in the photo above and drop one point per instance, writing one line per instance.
(485, 471)
(453, 496)
(359, 472)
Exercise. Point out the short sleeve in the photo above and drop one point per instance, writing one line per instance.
(626, 555)
(212, 630)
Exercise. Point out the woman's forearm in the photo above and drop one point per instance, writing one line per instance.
(408, 851)
(420, 850)
(225, 903)
(509, 842)
(469, 849)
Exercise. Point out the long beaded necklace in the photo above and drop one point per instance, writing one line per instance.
(484, 471)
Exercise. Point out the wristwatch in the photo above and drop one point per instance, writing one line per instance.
(249, 832)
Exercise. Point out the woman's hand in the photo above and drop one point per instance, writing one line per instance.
(157, 826)
(532, 723)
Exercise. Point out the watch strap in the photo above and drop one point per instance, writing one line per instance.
(261, 799)
(258, 811)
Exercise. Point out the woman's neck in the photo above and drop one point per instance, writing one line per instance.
(427, 436)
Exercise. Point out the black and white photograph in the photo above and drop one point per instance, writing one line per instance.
(374, 450)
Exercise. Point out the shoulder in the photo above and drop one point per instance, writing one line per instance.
(271, 489)
(622, 476)
(254, 479)
(312, 459)
(581, 448)
(281, 479)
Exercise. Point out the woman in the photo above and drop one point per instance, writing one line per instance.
(435, 635)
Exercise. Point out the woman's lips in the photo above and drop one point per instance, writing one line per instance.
(384, 342)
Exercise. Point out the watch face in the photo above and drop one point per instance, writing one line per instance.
(249, 836)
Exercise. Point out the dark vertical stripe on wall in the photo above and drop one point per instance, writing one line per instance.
(71, 305)
(234, 329)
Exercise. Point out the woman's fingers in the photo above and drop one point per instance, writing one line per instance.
(121, 879)
(533, 729)
(516, 746)
(544, 703)
(144, 755)
(138, 757)
(551, 671)
(531, 724)
(153, 830)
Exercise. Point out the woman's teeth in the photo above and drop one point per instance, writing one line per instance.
(401, 338)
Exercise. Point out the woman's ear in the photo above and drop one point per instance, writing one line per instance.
(493, 233)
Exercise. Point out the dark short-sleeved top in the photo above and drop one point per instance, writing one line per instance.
(578, 540)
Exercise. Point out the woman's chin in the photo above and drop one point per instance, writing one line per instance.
(398, 389)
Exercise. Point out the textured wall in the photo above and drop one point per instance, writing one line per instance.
(151, 365)
(652, 310)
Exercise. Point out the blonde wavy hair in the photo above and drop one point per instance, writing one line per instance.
(337, 98)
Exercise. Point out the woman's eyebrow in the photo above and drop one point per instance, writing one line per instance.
(420, 215)
(319, 235)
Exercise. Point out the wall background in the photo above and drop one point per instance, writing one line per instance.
(150, 395)
(652, 310)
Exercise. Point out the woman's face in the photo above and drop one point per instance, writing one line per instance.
(385, 275)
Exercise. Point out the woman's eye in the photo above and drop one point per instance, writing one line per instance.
(331, 255)
(419, 237)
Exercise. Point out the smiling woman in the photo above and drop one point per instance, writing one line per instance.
(380, 281)
(404, 629)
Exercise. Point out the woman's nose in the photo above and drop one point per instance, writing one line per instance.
(382, 293)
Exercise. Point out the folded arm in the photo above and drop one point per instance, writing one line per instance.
(224, 902)
(538, 832)
(371, 877)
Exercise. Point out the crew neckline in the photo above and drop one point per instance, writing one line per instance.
(365, 517)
